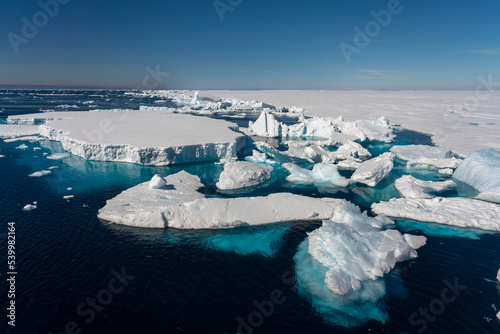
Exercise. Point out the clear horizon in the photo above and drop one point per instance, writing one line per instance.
(250, 45)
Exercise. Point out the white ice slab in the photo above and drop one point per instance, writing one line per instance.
(241, 174)
(410, 152)
(144, 137)
(457, 211)
(372, 171)
(179, 205)
(411, 187)
(16, 130)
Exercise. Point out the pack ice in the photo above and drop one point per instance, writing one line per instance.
(372, 171)
(179, 205)
(411, 187)
(322, 174)
(424, 156)
(481, 170)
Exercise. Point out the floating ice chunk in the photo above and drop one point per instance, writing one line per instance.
(316, 127)
(40, 173)
(266, 126)
(69, 189)
(29, 207)
(58, 156)
(53, 167)
(352, 151)
(412, 152)
(446, 172)
(379, 130)
(68, 197)
(157, 182)
(411, 187)
(498, 315)
(348, 165)
(22, 147)
(481, 170)
(181, 206)
(320, 174)
(2, 156)
(415, 241)
(312, 153)
(498, 275)
(354, 251)
(242, 174)
(457, 211)
(433, 163)
(259, 157)
(372, 171)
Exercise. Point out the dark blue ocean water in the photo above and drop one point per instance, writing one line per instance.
(202, 281)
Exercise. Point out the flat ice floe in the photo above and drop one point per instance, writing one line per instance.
(481, 170)
(426, 157)
(180, 205)
(457, 211)
(372, 171)
(144, 137)
(13, 131)
(411, 187)
(40, 173)
(241, 174)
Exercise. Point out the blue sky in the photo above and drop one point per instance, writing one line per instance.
(258, 45)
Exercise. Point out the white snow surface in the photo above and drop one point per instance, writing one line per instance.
(354, 250)
(320, 174)
(372, 171)
(411, 187)
(157, 182)
(481, 170)
(179, 205)
(144, 137)
(457, 211)
(40, 173)
(447, 115)
(16, 130)
(411, 152)
(241, 174)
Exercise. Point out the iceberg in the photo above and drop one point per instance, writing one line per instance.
(259, 157)
(456, 211)
(350, 150)
(241, 174)
(312, 153)
(498, 275)
(411, 187)
(143, 137)
(321, 174)
(266, 126)
(340, 266)
(372, 171)
(17, 130)
(181, 206)
(379, 130)
(29, 207)
(481, 170)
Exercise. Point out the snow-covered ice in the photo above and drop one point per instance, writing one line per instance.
(180, 205)
(321, 174)
(444, 114)
(157, 182)
(411, 152)
(144, 137)
(446, 171)
(40, 173)
(457, 211)
(411, 187)
(241, 174)
(16, 130)
(354, 251)
(481, 170)
(57, 156)
(433, 163)
(29, 207)
(372, 171)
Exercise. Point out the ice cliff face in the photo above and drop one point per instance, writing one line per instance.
(481, 170)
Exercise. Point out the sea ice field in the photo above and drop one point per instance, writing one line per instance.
(252, 211)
